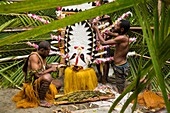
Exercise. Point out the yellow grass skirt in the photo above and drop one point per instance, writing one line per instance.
(84, 79)
(28, 97)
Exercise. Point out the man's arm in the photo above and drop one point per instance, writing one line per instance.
(48, 66)
(98, 33)
(114, 41)
(34, 62)
(52, 69)
(108, 42)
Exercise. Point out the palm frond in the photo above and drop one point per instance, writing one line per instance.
(152, 49)
(150, 43)
(104, 9)
(6, 24)
(34, 5)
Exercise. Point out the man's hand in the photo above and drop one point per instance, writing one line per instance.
(40, 73)
(54, 68)
(107, 32)
(61, 65)
(94, 27)
(57, 65)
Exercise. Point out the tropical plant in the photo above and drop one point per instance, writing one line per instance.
(154, 44)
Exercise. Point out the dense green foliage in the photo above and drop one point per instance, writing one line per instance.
(151, 43)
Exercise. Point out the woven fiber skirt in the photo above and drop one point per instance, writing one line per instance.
(28, 97)
(83, 79)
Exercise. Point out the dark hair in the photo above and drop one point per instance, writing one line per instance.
(125, 24)
(44, 44)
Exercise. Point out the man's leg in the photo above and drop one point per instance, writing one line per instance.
(105, 72)
(106, 66)
(58, 83)
(121, 72)
(120, 82)
(44, 87)
(99, 74)
(119, 78)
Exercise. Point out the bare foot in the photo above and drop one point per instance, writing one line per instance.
(44, 103)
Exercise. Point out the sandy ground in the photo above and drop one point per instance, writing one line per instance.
(8, 106)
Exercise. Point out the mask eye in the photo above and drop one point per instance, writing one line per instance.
(73, 56)
(82, 57)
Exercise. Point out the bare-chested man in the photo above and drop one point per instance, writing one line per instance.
(36, 68)
(121, 42)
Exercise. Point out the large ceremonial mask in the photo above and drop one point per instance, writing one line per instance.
(79, 38)
(79, 46)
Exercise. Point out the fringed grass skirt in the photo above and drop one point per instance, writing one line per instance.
(28, 97)
(84, 79)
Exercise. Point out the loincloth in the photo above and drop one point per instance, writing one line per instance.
(122, 69)
(28, 97)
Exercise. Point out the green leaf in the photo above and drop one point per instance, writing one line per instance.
(165, 50)
(6, 24)
(35, 5)
(162, 23)
(2, 70)
(167, 23)
(153, 51)
(81, 16)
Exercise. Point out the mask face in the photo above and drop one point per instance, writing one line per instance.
(80, 43)
(79, 58)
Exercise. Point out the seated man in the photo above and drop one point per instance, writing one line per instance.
(39, 87)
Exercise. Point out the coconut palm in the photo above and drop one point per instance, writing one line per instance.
(153, 44)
